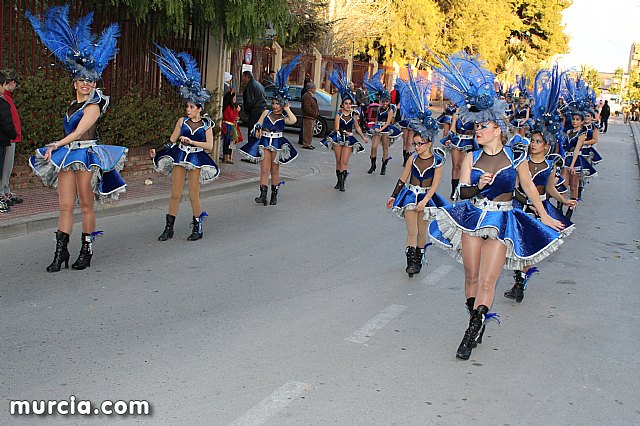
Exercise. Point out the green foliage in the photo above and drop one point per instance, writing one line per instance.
(634, 84)
(590, 75)
(134, 121)
(41, 104)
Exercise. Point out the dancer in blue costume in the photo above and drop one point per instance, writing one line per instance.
(267, 143)
(589, 147)
(403, 125)
(485, 232)
(383, 130)
(341, 140)
(77, 164)
(415, 191)
(521, 112)
(185, 152)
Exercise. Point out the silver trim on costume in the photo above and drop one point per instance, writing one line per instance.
(83, 144)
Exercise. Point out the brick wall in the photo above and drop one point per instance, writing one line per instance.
(138, 163)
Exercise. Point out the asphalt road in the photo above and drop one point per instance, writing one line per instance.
(301, 314)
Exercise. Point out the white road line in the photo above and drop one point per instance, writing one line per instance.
(271, 405)
(439, 273)
(385, 316)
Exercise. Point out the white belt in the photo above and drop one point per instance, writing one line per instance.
(190, 149)
(488, 205)
(271, 135)
(416, 189)
(543, 197)
(82, 144)
(466, 136)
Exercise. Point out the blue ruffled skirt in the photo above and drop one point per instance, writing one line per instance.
(188, 157)
(403, 124)
(411, 195)
(254, 149)
(582, 166)
(528, 240)
(553, 212)
(445, 119)
(590, 153)
(460, 142)
(516, 124)
(103, 161)
(335, 138)
(391, 130)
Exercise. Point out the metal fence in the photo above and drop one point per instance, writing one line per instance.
(133, 69)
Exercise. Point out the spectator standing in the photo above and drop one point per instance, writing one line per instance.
(227, 83)
(10, 85)
(229, 129)
(253, 98)
(307, 80)
(604, 117)
(309, 114)
(7, 133)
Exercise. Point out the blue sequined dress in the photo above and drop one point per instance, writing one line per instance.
(272, 139)
(189, 157)
(85, 154)
(464, 137)
(528, 240)
(447, 114)
(344, 137)
(589, 151)
(582, 166)
(418, 184)
(391, 130)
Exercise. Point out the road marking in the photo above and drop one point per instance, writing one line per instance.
(385, 316)
(271, 405)
(439, 273)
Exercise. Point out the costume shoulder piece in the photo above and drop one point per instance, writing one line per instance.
(439, 157)
(517, 149)
(100, 99)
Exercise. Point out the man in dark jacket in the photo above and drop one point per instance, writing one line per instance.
(9, 156)
(7, 131)
(309, 114)
(253, 99)
(604, 116)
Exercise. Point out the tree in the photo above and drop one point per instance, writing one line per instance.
(634, 84)
(616, 81)
(590, 75)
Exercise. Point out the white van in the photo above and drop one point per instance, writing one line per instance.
(615, 102)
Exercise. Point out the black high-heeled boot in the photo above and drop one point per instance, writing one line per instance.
(418, 259)
(86, 252)
(517, 291)
(61, 255)
(262, 199)
(196, 229)
(569, 213)
(470, 302)
(274, 195)
(343, 179)
(471, 334)
(338, 175)
(373, 165)
(168, 228)
(411, 261)
(383, 169)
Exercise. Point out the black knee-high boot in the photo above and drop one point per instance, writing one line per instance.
(419, 258)
(476, 321)
(86, 252)
(197, 231)
(338, 175)
(383, 169)
(470, 302)
(262, 199)
(373, 165)
(342, 180)
(168, 228)
(61, 255)
(411, 260)
(517, 291)
(274, 195)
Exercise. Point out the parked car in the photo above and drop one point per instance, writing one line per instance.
(323, 124)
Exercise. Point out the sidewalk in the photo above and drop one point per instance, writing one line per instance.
(635, 131)
(40, 207)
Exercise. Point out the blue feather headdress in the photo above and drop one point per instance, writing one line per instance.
(414, 106)
(281, 93)
(83, 54)
(186, 78)
(576, 94)
(546, 92)
(339, 79)
(374, 85)
(471, 87)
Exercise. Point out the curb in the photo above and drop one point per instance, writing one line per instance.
(49, 220)
(635, 131)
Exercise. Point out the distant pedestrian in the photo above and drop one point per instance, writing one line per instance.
(309, 115)
(227, 87)
(5, 192)
(229, 129)
(254, 101)
(307, 80)
(7, 133)
(604, 116)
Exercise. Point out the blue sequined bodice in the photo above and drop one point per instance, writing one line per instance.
(383, 115)
(521, 113)
(273, 126)
(465, 127)
(347, 122)
(572, 138)
(542, 176)
(504, 180)
(198, 134)
(590, 129)
(70, 121)
(450, 110)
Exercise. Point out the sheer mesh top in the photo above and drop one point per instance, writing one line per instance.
(495, 164)
(91, 133)
(422, 171)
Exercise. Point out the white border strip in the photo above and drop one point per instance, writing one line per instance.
(271, 405)
(439, 273)
(385, 316)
